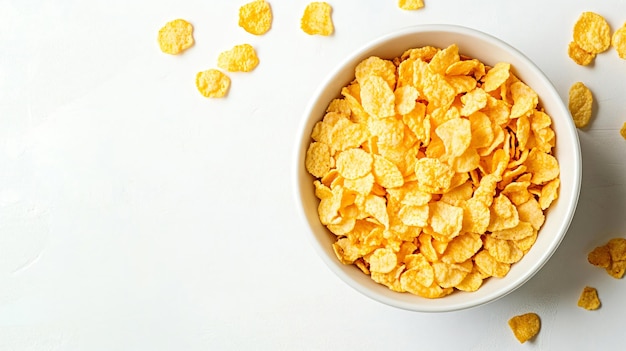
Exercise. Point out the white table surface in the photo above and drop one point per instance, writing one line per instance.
(136, 214)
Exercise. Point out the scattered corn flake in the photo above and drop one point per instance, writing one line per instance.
(592, 33)
(212, 83)
(411, 4)
(317, 19)
(580, 104)
(589, 299)
(579, 55)
(241, 58)
(600, 256)
(618, 41)
(525, 326)
(617, 269)
(256, 17)
(176, 36)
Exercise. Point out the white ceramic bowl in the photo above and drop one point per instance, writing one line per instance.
(490, 51)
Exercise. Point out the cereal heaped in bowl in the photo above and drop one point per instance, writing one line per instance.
(433, 170)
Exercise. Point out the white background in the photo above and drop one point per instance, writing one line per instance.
(136, 214)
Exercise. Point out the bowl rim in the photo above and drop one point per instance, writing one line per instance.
(298, 166)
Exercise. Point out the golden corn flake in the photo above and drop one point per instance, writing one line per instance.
(176, 36)
(434, 171)
(354, 163)
(580, 104)
(318, 159)
(497, 76)
(623, 131)
(618, 41)
(377, 97)
(579, 55)
(317, 19)
(592, 33)
(241, 58)
(383, 260)
(600, 256)
(256, 17)
(589, 299)
(411, 4)
(212, 83)
(525, 326)
(375, 66)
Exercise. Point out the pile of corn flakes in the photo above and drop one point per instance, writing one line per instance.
(433, 170)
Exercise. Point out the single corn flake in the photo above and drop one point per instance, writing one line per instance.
(375, 66)
(176, 36)
(377, 97)
(579, 55)
(623, 131)
(354, 163)
(318, 160)
(241, 58)
(411, 4)
(525, 326)
(317, 19)
(496, 76)
(256, 17)
(580, 104)
(589, 299)
(592, 33)
(600, 256)
(456, 135)
(543, 167)
(212, 83)
(383, 260)
(618, 41)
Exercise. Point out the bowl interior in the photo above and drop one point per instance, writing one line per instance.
(490, 51)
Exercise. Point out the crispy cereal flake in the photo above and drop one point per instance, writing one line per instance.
(241, 58)
(176, 36)
(579, 55)
(212, 83)
(256, 17)
(525, 326)
(592, 33)
(618, 41)
(411, 4)
(580, 104)
(317, 19)
(589, 299)
(623, 130)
